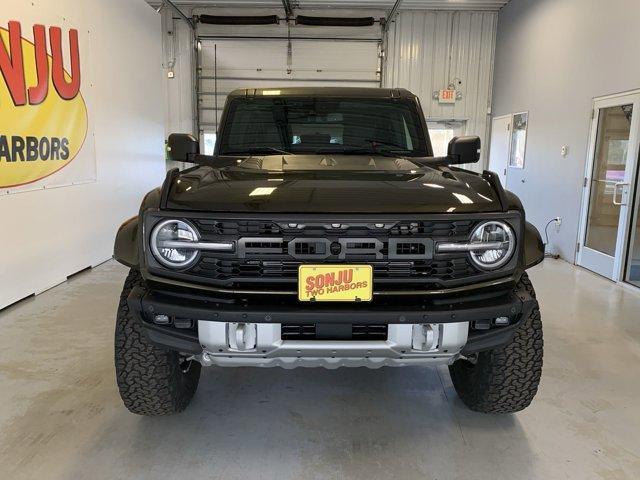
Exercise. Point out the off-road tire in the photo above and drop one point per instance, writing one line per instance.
(152, 380)
(504, 380)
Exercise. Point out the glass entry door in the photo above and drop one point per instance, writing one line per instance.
(611, 173)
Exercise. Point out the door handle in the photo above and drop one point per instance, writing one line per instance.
(615, 193)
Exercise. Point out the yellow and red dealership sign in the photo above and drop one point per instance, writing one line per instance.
(43, 117)
(335, 283)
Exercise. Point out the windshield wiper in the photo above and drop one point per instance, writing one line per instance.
(376, 143)
(252, 150)
(361, 151)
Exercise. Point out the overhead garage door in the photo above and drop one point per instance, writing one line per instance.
(227, 64)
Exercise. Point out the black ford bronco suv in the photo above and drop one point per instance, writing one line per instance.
(324, 233)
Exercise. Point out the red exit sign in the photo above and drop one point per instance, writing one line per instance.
(447, 96)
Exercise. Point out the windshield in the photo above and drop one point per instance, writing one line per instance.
(322, 125)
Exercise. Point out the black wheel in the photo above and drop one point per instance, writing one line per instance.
(152, 380)
(504, 380)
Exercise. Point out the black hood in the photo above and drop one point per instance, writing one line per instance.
(330, 184)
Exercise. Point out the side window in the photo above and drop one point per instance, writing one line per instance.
(441, 133)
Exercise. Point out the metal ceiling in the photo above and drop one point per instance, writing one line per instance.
(478, 5)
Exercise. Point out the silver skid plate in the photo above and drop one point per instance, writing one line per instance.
(406, 345)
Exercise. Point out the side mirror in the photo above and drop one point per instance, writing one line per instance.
(182, 146)
(463, 150)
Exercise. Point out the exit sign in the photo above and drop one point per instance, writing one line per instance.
(447, 96)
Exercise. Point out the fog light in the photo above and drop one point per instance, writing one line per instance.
(241, 336)
(183, 323)
(501, 321)
(162, 320)
(482, 324)
(425, 337)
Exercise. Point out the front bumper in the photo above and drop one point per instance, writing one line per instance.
(452, 321)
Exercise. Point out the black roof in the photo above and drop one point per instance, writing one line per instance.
(324, 92)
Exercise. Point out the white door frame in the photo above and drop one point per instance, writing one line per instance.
(508, 152)
(586, 257)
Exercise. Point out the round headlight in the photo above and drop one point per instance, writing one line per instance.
(494, 234)
(166, 238)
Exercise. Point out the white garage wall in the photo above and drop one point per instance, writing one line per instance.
(50, 234)
(552, 58)
(427, 50)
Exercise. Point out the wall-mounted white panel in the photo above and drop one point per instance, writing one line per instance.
(428, 50)
(57, 232)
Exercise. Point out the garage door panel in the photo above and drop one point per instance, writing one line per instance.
(250, 63)
(337, 59)
(309, 59)
(257, 79)
(336, 76)
(264, 82)
(239, 55)
(225, 87)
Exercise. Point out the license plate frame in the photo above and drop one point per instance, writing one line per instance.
(335, 283)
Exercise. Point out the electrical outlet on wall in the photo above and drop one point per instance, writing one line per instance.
(558, 222)
(564, 150)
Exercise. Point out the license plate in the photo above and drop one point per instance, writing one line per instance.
(335, 283)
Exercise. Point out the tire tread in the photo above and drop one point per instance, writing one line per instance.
(149, 377)
(504, 380)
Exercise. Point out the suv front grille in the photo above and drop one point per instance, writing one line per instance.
(268, 252)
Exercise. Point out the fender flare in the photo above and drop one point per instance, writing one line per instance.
(125, 249)
(533, 246)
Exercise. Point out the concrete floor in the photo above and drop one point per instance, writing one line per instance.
(61, 417)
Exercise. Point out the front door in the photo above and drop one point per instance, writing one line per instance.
(611, 171)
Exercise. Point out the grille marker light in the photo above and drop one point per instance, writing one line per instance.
(187, 245)
(469, 247)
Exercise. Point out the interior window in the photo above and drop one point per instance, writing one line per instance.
(209, 142)
(442, 131)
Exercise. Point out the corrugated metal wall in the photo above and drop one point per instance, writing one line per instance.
(426, 50)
